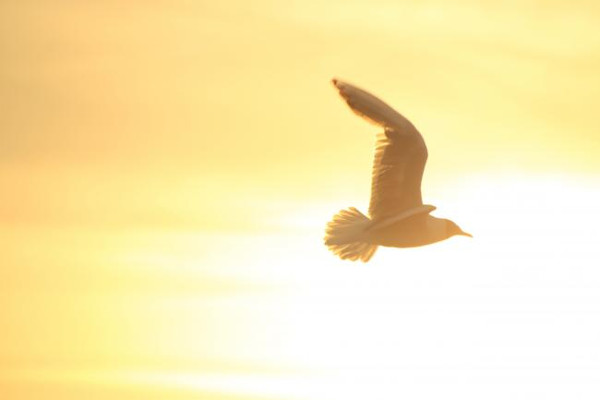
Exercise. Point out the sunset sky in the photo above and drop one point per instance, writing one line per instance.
(167, 169)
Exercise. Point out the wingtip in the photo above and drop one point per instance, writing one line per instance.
(338, 83)
(341, 87)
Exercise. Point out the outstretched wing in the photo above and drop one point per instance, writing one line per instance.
(397, 173)
(400, 155)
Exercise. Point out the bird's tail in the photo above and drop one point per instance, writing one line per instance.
(345, 236)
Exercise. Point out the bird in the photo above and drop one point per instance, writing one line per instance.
(397, 215)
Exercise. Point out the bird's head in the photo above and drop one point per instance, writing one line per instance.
(453, 229)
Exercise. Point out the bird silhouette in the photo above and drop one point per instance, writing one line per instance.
(398, 217)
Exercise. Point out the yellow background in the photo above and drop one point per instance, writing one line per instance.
(167, 168)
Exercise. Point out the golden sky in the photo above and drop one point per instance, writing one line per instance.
(167, 167)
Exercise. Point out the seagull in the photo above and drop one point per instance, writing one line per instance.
(397, 215)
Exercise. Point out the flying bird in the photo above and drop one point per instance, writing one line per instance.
(397, 215)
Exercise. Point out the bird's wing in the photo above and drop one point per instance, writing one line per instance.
(371, 108)
(400, 155)
(397, 172)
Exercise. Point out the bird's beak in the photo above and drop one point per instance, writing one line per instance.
(463, 233)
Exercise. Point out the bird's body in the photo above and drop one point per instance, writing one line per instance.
(412, 232)
(398, 216)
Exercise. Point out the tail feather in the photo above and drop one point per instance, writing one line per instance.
(345, 236)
